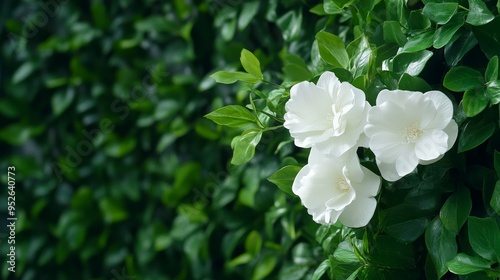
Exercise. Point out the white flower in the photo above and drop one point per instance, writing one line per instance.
(409, 128)
(337, 189)
(330, 115)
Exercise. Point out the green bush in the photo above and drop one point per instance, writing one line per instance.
(120, 175)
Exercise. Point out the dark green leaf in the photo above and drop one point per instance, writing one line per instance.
(495, 198)
(464, 264)
(418, 21)
(441, 245)
(462, 78)
(23, 72)
(491, 73)
(248, 12)
(493, 90)
(290, 25)
(296, 69)
(478, 13)
(496, 161)
(61, 100)
(225, 77)
(393, 33)
(332, 49)
(251, 64)
(253, 243)
(389, 252)
(455, 210)
(284, 177)
(440, 13)
(408, 82)
(445, 33)
(489, 37)
(474, 101)
(411, 63)
(484, 237)
(321, 270)
(455, 51)
(475, 132)
(244, 147)
(265, 266)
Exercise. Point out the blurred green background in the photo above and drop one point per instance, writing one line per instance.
(118, 174)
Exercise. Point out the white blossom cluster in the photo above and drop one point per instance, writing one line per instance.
(333, 118)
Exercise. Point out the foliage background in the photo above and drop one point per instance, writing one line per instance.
(120, 175)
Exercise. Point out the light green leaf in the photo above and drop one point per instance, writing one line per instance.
(484, 237)
(440, 13)
(264, 267)
(474, 101)
(284, 177)
(411, 63)
(361, 56)
(419, 42)
(225, 77)
(253, 243)
(295, 68)
(478, 13)
(251, 64)
(23, 72)
(455, 210)
(445, 33)
(248, 12)
(244, 146)
(232, 116)
(493, 90)
(332, 49)
(321, 270)
(290, 25)
(475, 132)
(462, 78)
(441, 245)
(491, 73)
(464, 264)
(345, 253)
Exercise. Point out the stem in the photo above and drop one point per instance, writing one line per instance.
(273, 127)
(274, 84)
(255, 111)
(272, 117)
(463, 8)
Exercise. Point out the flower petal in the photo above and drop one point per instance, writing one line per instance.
(398, 97)
(407, 161)
(444, 109)
(370, 186)
(431, 145)
(388, 171)
(329, 82)
(359, 212)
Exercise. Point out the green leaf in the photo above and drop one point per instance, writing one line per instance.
(264, 267)
(389, 252)
(23, 72)
(336, 6)
(244, 147)
(332, 49)
(496, 161)
(489, 37)
(290, 25)
(474, 101)
(462, 78)
(440, 13)
(408, 82)
(253, 243)
(445, 33)
(284, 177)
(225, 77)
(321, 270)
(455, 51)
(61, 100)
(411, 63)
(495, 198)
(345, 253)
(441, 245)
(361, 55)
(251, 64)
(393, 33)
(455, 210)
(491, 73)
(464, 264)
(239, 260)
(417, 21)
(484, 237)
(493, 91)
(295, 68)
(478, 13)
(475, 132)
(248, 12)
(420, 42)
(232, 116)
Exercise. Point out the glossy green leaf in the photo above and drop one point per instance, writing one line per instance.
(253, 243)
(419, 42)
(464, 264)
(455, 51)
(441, 245)
(345, 253)
(393, 33)
(251, 64)
(440, 13)
(478, 13)
(474, 101)
(418, 21)
(244, 147)
(462, 78)
(232, 116)
(413, 83)
(484, 237)
(411, 63)
(488, 36)
(495, 198)
(284, 178)
(265, 266)
(455, 210)
(332, 49)
(445, 33)
(493, 91)
(475, 132)
(491, 73)
(336, 6)
(321, 270)
(361, 55)
(290, 25)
